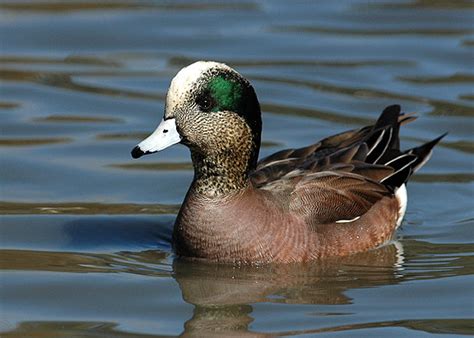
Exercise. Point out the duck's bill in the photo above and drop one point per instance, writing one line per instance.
(163, 137)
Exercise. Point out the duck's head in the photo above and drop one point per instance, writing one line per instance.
(211, 109)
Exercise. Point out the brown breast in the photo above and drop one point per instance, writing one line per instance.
(253, 227)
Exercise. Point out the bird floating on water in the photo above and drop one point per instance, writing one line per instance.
(342, 195)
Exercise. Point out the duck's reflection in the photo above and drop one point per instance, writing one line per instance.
(225, 298)
(222, 295)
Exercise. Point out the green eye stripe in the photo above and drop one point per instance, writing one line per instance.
(226, 93)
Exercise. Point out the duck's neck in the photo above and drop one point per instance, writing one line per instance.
(225, 173)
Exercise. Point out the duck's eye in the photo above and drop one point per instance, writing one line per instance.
(205, 101)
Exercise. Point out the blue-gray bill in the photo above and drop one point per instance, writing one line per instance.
(163, 137)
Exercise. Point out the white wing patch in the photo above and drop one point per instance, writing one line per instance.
(348, 220)
(402, 198)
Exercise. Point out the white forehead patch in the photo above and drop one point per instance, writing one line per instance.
(186, 79)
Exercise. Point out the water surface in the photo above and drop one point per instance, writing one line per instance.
(85, 231)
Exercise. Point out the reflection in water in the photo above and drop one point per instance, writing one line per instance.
(410, 31)
(111, 330)
(150, 262)
(224, 296)
(73, 329)
(77, 119)
(53, 6)
(18, 208)
(321, 282)
(30, 142)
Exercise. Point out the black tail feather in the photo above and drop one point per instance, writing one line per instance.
(389, 117)
(384, 137)
(403, 166)
(384, 147)
(423, 152)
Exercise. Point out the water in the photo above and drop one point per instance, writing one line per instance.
(85, 231)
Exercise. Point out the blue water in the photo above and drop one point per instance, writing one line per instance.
(85, 231)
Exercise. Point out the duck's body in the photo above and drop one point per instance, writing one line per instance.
(342, 195)
(254, 227)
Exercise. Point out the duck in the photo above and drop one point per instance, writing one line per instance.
(342, 195)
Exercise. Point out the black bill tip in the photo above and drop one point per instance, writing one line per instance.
(137, 152)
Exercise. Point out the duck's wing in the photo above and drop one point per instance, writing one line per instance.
(334, 197)
(368, 144)
(341, 177)
(336, 194)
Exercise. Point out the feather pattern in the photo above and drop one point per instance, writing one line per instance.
(341, 177)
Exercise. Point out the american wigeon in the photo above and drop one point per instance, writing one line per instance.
(341, 195)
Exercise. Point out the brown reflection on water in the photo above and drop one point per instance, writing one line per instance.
(467, 97)
(31, 142)
(73, 329)
(70, 6)
(18, 208)
(222, 295)
(425, 4)
(455, 78)
(437, 326)
(71, 60)
(105, 329)
(364, 32)
(150, 262)
(321, 282)
(8, 105)
(122, 136)
(77, 119)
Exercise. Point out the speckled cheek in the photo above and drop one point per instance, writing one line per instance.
(184, 128)
(223, 131)
(207, 135)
